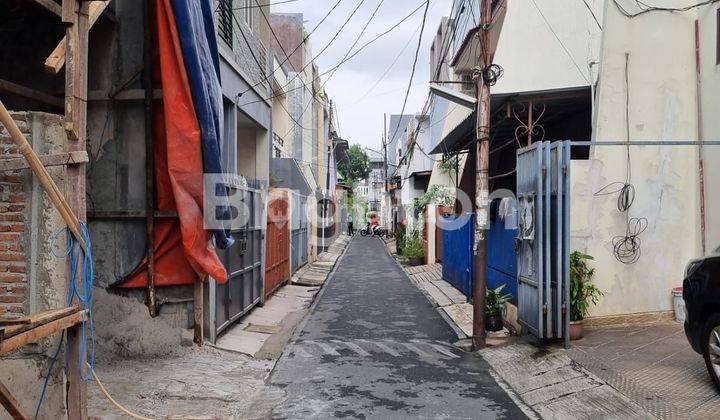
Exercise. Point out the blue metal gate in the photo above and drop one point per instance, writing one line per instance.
(501, 255)
(543, 174)
(458, 266)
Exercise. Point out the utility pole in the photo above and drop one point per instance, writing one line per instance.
(481, 176)
(385, 170)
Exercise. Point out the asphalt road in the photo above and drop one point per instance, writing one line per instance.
(374, 347)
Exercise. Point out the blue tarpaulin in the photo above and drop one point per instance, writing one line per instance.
(194, 19)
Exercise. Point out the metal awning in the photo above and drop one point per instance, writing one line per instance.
(289, 175)
(510, 110)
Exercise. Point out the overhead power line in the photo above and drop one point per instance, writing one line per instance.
(350, 57)
(295, 49)
(412, 73)
(557, 37)
(357, 39)
(264, 5)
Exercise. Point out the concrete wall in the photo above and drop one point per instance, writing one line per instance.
(532, 56)
(709, 123)
(33, 269)
(662, 106)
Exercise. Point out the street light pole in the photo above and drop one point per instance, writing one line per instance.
(481, 177)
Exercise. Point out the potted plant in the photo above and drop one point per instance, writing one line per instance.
(494, 304)
(582, 292)
(413, 250)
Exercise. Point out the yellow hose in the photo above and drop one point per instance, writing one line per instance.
(115, 403)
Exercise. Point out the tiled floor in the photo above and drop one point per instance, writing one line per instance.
(652, 365)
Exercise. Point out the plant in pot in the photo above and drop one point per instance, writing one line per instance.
(494, 304)
(582, 292)
(413, 250)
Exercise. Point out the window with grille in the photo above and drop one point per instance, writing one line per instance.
(225, 21)
(247, 12)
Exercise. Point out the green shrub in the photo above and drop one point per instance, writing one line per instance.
(413, 247)
(582, 292)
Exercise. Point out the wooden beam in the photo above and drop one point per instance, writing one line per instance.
(50, 6)
(35, 319)
(129, 214)
(60, 159)
(11, 404)
(76, 14)
(124, 95)
(56, 60)
(26, 92)
(11, 344)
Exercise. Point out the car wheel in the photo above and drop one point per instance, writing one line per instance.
(711, 348)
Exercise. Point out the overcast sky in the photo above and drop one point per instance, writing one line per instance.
(360, 91)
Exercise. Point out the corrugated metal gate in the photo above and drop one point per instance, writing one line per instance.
(226, 303)
(543, 175)
(299, 240)
(277, 259)
(501, 255)
(458, 266)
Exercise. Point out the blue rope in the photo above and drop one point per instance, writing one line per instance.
(85, 299)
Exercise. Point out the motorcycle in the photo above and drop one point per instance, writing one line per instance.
(379, 231)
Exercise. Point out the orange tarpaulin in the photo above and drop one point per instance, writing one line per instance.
(183, 250)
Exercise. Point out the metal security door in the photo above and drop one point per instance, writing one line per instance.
(226, 303)
(277, 258)
(458, 266)
(530, 181)
(543, 191)
(299, 242)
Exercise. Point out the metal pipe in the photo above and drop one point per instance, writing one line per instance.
(149, 163)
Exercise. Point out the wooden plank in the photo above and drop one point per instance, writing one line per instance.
(77, 13)
(56, 59)
(26, 92)
(60, 159)
(42, 174)
(129, 214)
(12, 405)
(50, 6)
(123, 95)
(12, 326)
(11, 344)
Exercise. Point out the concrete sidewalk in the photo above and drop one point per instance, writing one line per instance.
(654, 366)
(213, 382)
(545, 378)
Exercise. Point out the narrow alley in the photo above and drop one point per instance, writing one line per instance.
(374, 347)
(371, 209)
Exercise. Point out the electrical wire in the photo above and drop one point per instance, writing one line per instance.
(592, 13)
(626, 248)
(267, 76)
(264, 5)
(357, 39)
(412, 73)
(562, 44)
(353, 55)
(646, 8)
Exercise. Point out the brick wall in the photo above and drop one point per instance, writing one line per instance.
(13, 278)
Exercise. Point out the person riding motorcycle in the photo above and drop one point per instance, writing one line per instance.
(374, 223)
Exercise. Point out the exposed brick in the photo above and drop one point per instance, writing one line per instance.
(12, 278)
(16, 268)
(16, 198)
(10, 237)
(15, 247)
(17, 179)
(12, 298)
(17, 228)
(11, 218)
(6, 256)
